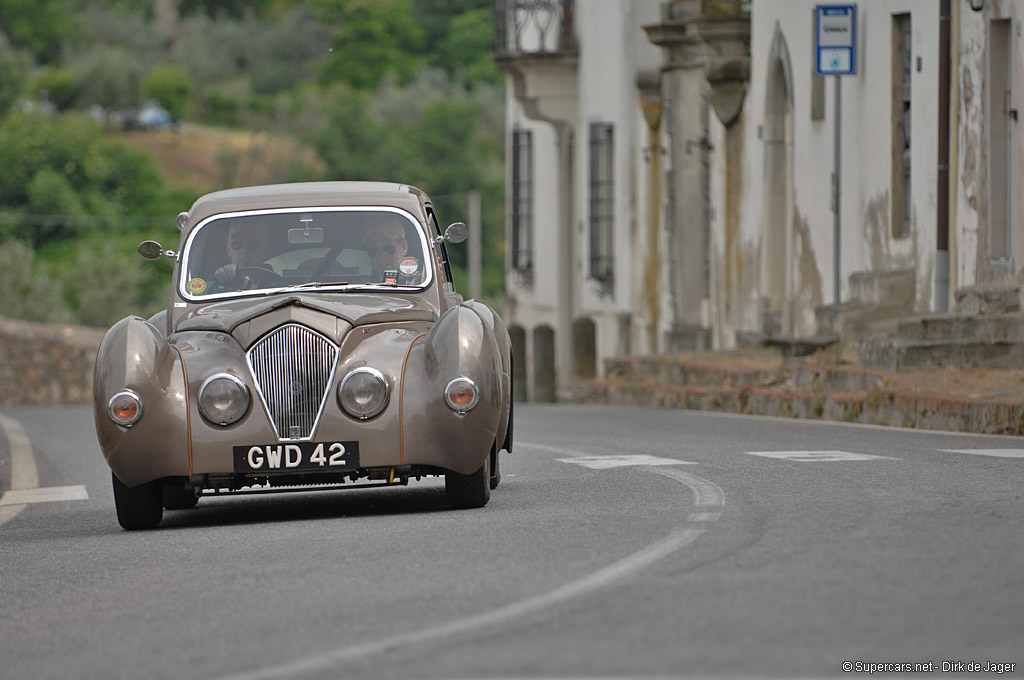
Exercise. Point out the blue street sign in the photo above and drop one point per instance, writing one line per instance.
(835, 40)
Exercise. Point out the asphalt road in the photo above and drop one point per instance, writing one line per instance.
(622, 543)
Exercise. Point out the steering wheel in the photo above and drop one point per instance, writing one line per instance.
(260, 276)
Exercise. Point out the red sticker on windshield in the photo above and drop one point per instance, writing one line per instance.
(409, 266)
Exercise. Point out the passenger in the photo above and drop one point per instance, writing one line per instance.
(388, 250)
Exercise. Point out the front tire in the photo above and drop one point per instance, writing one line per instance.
(178, 495)
(140, 507)
(469, 491)
(495, 468)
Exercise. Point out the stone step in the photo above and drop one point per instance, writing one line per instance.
(964, 327)
(887, 289)
(893, 354)
(683, 371)
(996, 297)
(882, 405)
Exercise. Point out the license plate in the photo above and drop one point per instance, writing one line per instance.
(296, 456)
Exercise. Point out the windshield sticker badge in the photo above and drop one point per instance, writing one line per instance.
(408, 267)
(196, 286)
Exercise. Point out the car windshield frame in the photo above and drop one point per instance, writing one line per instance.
(192, 287)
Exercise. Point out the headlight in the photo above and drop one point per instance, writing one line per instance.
(223, 399)
(125, 408)
(461, 395)
(363, 393)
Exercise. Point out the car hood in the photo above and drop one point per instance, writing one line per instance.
(355, 309)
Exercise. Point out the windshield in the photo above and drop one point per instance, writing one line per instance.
(242, 253)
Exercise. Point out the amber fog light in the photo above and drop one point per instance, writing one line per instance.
(223, 399)
(461, 395)
(363, 393)
(125, 408)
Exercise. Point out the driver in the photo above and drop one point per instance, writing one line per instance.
(248, 247)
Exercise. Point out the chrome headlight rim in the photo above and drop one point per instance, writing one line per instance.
(125, 422)
(234, 417)
(465, 408)
(372, 413)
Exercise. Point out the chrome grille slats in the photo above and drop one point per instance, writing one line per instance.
(293, 367)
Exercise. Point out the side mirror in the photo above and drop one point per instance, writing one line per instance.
(151, 250)
(456, 232)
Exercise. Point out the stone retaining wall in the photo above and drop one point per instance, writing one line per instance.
(46, 363)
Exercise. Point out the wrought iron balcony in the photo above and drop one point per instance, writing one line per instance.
(533, 28)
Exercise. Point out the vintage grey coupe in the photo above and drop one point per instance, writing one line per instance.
(314, 338)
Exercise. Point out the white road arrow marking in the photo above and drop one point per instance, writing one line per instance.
(46, 494)
(998, 453)
(609, 462)
(817, 456)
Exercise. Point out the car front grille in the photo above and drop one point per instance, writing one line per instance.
(293, 367)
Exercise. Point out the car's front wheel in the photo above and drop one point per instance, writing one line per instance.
(178, 495)
(140, 507)
(469, 491)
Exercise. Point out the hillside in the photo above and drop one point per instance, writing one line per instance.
(205, 158)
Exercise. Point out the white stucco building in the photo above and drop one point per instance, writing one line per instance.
(670, 172)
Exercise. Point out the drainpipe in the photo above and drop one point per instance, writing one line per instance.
(941, 286)
(954, 150)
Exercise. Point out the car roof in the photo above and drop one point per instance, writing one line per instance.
(308, 195)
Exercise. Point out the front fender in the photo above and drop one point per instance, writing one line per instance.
(135, 355)
(461, 344)
(503, 346)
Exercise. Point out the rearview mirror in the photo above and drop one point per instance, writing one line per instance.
(305, 235)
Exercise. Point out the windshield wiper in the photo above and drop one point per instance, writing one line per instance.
(315, 284)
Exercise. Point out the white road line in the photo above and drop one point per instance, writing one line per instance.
(703, 516)
(474, 624)
(23, 466)
(997, 453)
(47, 494)
(817, 456)
(553, 449)
(705, 493)
(609, 462)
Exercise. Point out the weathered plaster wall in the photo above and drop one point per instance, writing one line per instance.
(970, 217)
(783, 30)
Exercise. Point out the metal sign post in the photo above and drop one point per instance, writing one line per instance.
(835, 54)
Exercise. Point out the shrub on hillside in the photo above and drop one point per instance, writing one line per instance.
(27, 291)
(103, 287)
(55, 167)
(170, 86)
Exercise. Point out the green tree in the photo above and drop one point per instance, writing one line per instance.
(170, 86)
(58, 86)
(371, 39)
(109, 77)
(467, 45)
(223, 8)
(38, 26)
(26, 289)
(13, 74)
(62, 165)
(103, 286)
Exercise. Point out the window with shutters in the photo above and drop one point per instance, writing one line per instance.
(522, 201)
(602, 201)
